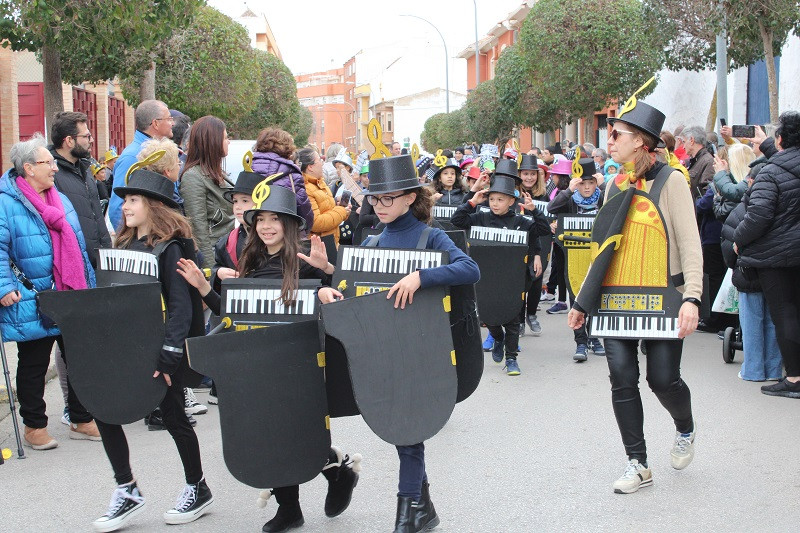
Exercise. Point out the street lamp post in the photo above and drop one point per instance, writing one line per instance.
(477, 56)
(446, 59)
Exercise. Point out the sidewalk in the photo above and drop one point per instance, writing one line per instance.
(11, 356)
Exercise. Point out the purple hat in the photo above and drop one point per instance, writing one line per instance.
(562, 166)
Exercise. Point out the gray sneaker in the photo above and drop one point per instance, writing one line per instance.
(683, 450)
(533, 325)
(635, 477)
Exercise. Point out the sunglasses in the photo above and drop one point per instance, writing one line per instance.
(615, 133)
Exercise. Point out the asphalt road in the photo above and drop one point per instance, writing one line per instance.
(537, 452)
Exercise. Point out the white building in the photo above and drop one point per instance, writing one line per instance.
(411, 112)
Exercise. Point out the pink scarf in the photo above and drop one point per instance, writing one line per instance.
(68, 266)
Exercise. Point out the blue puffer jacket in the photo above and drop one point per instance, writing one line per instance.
(24, 239)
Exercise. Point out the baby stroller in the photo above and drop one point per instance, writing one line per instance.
(731, 341)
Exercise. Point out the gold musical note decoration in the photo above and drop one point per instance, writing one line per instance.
(247, 161)
(261, 191)
(149, 160)
(440, 160)
(515, 145)
(375, 137)
(577, 169)
(415, 157)
(630, 103)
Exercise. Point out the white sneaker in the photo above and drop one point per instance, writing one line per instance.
(126, 502)
(683, 450)
(636, 476)
(213, 400)
(192, 406)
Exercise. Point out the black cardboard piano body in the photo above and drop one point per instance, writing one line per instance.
(638, 298)
(574, 236)
(272, 405)
(442, 214)
(113, 338)
(252, 302)
(502, 263)
(401, 366)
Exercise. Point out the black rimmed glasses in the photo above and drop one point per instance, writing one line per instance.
(386, 201)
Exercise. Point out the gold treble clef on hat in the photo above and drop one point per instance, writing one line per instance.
(261, 191)
(630, 103)
(415, 157)
(375, 137)
(577, 169)
(149, 160)
(440, 160)
(247, 161)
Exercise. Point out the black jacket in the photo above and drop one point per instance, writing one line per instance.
(222, 259)
(450, 198)
(77, 184)
(769, 235)
(740, 281)
(467, 216)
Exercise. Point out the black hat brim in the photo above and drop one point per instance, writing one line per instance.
(251, 214)
(657, 135)
(122, 192)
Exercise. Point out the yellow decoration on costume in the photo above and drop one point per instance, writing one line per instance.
(642, 259)
(577, 169)
(247, 161)
(596, 248)
(321, 359)
(415, 157)
(453, 357)
(226, 322)
(515, 144)
(261, 191)
(149, 160)
(342, 286)
(440, 160)
(446, 303)
(630, 103)
(375, 137)
(6, 453)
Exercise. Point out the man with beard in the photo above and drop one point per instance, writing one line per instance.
(72, 141)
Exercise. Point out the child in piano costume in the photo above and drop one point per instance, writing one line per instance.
(560, 174)
(448, 186)
(273, 250)
(153, 224)
(502, 214)
(405, 207)
(581, 197)
(632, 143)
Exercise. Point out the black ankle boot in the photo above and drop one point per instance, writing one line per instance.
(342, 475)
(404, 522)
(425, 517)
(288, 517)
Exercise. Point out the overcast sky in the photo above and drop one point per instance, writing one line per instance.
(314, 35)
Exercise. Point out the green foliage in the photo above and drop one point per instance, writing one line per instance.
(444, 130)
(586, 56)
(96, 39)
(486, 117)
(208, 68)
(277, 104)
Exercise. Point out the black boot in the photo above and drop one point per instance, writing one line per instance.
(155, 422)
(289, 516)
(342, 475)
(425, 517)
(404, 522)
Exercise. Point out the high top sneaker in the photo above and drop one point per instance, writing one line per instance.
(191, 405)
(342, 475)
(126, 502)
(192, 503)
(425, 517)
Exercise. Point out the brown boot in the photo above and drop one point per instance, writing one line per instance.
(84, 431)
(39, 439)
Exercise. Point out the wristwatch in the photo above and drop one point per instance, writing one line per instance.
(694, 301)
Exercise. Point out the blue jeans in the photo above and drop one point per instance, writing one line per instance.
(412, 470)
(762, 356)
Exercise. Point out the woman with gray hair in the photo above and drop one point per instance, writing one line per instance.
(328, 169)
(41, 248)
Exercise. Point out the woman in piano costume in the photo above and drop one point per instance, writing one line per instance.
(151, 220)
(274, 248)
(405, 207)
(633, 142)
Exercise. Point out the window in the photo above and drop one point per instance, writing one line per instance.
(322, 130)
(389, 122)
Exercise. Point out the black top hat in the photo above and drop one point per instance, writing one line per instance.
(645, 117)
(150, 184)
(245, 184)
(278, 200)
(503, 184)
(587, 166)
(528, 162)
(507, 167)
(391, 174)
(451, 163)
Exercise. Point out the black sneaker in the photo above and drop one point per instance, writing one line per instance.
(192, 503)
(155, 421)
(288, 517)
(126, 502)
(784, 388)
(342, 475)
(425, 517)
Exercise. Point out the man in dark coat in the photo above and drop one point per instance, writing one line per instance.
(701, 162)
(71, 144)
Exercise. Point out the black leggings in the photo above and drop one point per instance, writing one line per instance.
(532, 298)
(558, 282)
(176, 422)
(782, 292)
(664, 378)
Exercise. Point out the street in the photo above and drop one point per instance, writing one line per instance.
(537, 452)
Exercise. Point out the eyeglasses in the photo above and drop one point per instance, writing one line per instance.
(50, 163)
(85, 135)
(615, 133)
(170, 118)
(386, 201)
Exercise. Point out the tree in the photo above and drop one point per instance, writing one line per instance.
(486, 119)
(89, 40)
(208, 68)
(586, 56)
(277, 103)
(444, 130)
(754, 30)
